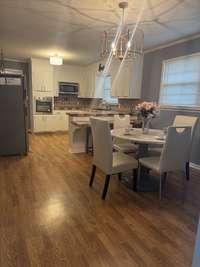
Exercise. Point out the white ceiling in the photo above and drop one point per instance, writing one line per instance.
(73, 28)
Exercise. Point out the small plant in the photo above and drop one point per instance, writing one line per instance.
(147, 111)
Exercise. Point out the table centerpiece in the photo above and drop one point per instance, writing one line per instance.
(146, 111)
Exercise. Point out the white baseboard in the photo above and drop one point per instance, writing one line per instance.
(195, 166)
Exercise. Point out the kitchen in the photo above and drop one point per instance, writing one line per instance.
(99, 133)
(62, 88)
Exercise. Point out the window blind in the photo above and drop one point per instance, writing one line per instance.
(180, 84)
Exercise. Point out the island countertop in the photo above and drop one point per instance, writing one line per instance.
(85, 121)
(83, 113)
(79, 124)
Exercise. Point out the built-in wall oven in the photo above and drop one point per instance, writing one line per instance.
(44, 105)
(68, 88)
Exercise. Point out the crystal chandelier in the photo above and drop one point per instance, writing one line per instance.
(123, 46)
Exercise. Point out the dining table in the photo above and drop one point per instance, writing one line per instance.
(154, 137)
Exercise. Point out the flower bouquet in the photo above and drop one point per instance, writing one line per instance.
(147, 111)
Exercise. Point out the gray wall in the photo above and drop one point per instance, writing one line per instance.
(152, 70)
(152, 67)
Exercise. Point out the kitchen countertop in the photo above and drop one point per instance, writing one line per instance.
(86, 121)
(83, 113)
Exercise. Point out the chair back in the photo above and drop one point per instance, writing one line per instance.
(102, 144)
(176, 150)
(186, 121)
(121, 121)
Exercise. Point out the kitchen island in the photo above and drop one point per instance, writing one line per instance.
(79, 127)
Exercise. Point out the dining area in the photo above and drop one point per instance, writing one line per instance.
(142, 158)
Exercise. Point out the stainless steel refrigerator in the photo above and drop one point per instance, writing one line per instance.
(13, 115)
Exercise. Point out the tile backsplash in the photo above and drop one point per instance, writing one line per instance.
(74, 102)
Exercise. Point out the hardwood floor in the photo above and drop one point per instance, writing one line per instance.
(50, 217)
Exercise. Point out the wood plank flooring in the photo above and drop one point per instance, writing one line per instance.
(49, 217)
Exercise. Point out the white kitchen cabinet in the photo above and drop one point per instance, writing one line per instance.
(51, 123)
(62, 120)
(40, 123)
(69, 73)
(42, 77)
(92, 81)
(127, 83)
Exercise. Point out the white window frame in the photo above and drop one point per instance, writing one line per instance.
(103, 90)
(115, 99)
(179, 107)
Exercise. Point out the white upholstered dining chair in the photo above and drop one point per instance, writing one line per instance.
(174, 155)
(104, 158)
(119, 144)
(180, 120)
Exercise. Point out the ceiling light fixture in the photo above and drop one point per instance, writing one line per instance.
(56, 60)
(122, 47)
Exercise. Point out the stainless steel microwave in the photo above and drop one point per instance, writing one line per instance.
(68, 88)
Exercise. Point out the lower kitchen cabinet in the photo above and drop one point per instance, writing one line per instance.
(51, 123)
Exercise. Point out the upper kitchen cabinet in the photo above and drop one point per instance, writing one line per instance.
(126, 83)
(69, 73)
(91, 79)
(42, 77)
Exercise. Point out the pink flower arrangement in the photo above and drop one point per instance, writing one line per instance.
(147, 110)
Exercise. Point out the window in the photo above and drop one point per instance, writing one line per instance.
(104, 82)
(180, 84)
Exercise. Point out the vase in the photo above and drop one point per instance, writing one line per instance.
(145, 125)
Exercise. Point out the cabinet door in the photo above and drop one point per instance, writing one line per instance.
(127, 82)
(136, 81)
(91, 74)
(84, 83)
(47, 81)
(42, 76)
(39, 123)
(37, 81)
(62, 122)
(120, 80)
(51, 123)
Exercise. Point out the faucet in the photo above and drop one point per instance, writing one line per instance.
(105, 105)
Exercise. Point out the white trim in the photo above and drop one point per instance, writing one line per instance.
(195, 166)
(176, 107)
(161, 78)
(16, 60)
(182, 40)
(181, 57)
(180, 108)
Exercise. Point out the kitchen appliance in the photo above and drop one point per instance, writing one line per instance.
(68, 88)
(44, 104)
(13, 115)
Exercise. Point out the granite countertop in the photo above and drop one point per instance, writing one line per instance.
(83, 113)
(86, 121)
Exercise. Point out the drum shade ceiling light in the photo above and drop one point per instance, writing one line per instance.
(56, 60)
(120, 45)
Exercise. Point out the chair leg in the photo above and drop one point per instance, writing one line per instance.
(162, 177)
(135, 179)
(138, 174)
(120, 176)
(92, 175)
(160, 188)
(187, 170)
(107, 180)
